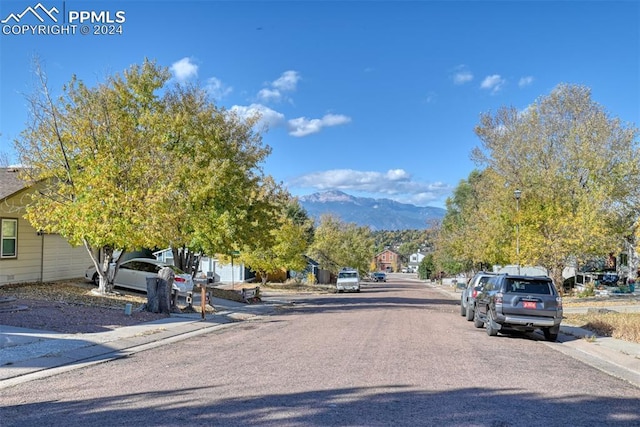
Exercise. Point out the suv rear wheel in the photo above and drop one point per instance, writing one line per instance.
(470, 312)
(491, 331)
(549, 336)
(477, 322)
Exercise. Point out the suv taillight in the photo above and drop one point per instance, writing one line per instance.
(497, 298)
(179, 279)
(474, 293)
(559, 302)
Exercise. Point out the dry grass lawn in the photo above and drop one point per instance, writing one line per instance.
(624, 326)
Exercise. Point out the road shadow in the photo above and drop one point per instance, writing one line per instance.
(393, 404)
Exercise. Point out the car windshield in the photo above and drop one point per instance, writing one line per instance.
(529, 287)
(347, 275)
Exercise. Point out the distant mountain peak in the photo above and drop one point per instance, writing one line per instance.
(377, 214)
(328, 196)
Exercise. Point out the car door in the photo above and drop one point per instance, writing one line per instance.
(133, 274)
(126, 275)
(483, 298)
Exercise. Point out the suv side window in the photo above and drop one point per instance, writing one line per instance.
(491, 284)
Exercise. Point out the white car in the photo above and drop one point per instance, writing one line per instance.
(133, 274)
(348, 280)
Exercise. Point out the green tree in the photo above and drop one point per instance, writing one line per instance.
(578, 170)
(285, 246)
(426, 267)
(337, 244)
(136, 162)
(473, 233)
(97, 158)
(222, 198)
(408, 248)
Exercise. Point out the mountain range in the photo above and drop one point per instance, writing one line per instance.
(378, 214)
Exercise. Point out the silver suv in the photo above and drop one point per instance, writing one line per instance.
(468, 297)
(519, 303)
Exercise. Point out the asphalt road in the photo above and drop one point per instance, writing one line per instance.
(397, 353)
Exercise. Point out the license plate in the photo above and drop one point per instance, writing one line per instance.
(529, 304)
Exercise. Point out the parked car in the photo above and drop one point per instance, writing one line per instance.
(133, 274)
(519, 303)
(348, 280)
(468, 296)
(379, 276)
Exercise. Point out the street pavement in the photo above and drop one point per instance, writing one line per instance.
(614, 356)
(28, 354)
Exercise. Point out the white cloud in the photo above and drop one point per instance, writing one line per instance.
(268, 95)
(525, 81)
(287, 81)
(462, 75)
(431, 98)
(396, 184)
(267, 115)
(275, 92)
(184, 69)
(493, 83)
(302, 126)
(216, 88)
(397, 175)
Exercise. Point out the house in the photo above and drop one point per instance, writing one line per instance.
(211, 267)
(414, 261)
(26, 254)
(313, 267)
(387, 260)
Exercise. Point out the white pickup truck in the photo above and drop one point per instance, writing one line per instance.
(348, 280)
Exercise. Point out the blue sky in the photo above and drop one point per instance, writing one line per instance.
(377, 99)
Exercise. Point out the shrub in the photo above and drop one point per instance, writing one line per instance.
(589, 291)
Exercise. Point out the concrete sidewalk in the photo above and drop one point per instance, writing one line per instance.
(28, 354)
(615, 357)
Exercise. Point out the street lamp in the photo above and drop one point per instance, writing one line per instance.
(517, 194)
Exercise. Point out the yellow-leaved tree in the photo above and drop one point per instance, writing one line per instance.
(578, 171)
(138, 162)
(283, 247)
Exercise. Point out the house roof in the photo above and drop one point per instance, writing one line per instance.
(10, 182)
(387, 250)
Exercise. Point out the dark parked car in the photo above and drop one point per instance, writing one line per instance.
(519, 303)
(468, 297)
(379, 277)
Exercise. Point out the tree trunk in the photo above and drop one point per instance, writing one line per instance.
(186, 260)
(556, 276)
(159, 291)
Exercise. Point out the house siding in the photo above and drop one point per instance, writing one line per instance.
(387, 260)
(44, 258)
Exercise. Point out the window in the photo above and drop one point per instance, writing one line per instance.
(529, 287)
(9, 237)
